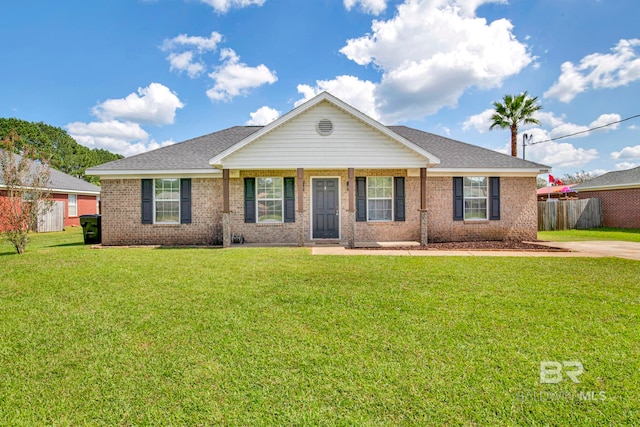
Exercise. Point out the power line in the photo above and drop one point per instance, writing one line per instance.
(584, 131)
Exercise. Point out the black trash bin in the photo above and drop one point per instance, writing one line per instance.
(91, 226)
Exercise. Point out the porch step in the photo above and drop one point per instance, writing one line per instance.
(327, 242)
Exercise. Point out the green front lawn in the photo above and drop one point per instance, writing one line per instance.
(624, 234)
(276, 336)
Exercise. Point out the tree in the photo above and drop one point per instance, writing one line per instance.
(512, 112)
(25, 192)
(578, 177)
(56, 145)
(541, 182)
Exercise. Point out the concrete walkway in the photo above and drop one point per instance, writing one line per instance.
(595, 249)
(603, 248)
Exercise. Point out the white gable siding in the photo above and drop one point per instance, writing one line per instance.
(297, 144)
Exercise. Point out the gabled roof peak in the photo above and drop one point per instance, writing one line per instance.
(308, 105)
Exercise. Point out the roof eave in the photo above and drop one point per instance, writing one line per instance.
(154, 172)
(528, 171)
(610, 187)
(61, 190)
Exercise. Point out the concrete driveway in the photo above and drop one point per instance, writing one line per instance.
(628, 250)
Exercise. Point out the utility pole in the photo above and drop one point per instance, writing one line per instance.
(525, 137)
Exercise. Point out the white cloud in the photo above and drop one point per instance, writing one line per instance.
(598, 71)
(124, 138)
(186, 51)
(480, 122)
(627, 153)
(155, 104)
(263, 116)
(552, 153)
(558, 124)
(597, 172)
(627, 165)
(223, 6)
(355, 92)
(434, 50)
(201, 44)
(571, 128)
(234, 78)
(374, 7)
(109, 129)
(185, 62)
(560, 154)
(119, 127)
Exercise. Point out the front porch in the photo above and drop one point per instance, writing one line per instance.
(324, 207)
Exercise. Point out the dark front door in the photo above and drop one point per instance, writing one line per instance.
(326, 215)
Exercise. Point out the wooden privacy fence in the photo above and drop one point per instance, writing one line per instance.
(568, 214)
(52, 220)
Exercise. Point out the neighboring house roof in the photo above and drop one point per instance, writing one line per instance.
(555, 189)
(60, 182)
(629, 178)
(199, 155)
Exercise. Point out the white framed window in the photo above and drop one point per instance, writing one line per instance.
(379, 198)
(72, 203)
(269, 196)
(166, 200)
(475, 192)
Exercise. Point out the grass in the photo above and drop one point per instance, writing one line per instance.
(276, 336)
(623, 234)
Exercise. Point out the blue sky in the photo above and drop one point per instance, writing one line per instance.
(134, 75)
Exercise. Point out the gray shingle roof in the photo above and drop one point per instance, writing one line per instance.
(191, 154)
(196, 153)
(456, 154)
(61, 181)
(613, 179)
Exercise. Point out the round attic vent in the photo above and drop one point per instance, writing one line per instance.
(324, 127)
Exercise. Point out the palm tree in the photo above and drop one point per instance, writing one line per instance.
(513, 111)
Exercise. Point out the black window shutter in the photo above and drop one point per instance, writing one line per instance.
(147, 201)
(249, 200)
(289, 200)
(398, 198)
(361, 198)
(494, 197)
(458, 199)
(185, 201)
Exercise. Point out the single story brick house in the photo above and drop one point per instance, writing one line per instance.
(79, 197)
(620, 195)
(324, 172)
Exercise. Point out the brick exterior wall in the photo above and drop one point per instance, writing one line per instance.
(518, 213)
(121, 216)
(86, 206)
(620, 208)
(122, 223)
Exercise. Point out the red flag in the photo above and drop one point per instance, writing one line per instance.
(552, 180)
